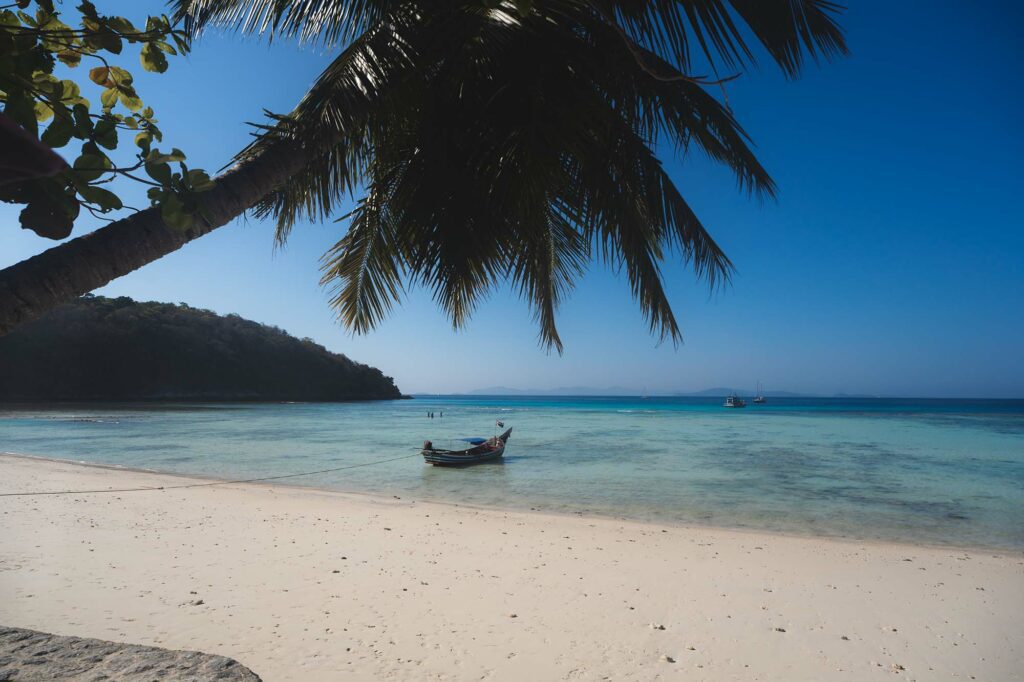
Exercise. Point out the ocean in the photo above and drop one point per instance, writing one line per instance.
(927, 471)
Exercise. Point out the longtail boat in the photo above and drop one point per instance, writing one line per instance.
(480, 450)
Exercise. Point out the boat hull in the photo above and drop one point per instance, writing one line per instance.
(491, 451)
(452, 460)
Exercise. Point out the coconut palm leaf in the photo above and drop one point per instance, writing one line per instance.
(510, 141)
(330, 22)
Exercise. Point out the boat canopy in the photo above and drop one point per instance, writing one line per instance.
(473, 441)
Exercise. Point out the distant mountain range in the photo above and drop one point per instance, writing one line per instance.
(623, 391)
(718, 392)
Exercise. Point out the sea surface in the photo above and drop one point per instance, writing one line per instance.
(928, 471)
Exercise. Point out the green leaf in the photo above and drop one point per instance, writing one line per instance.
(83, 124)
(110, 76)
(22, 110)
(70, 58)
(159, 171)
(47, 219)
(58, 133)
(52, 210)
(48, 85)
(174, 214)
(74, 180)
(70, 92)
(99, 75)
(105, 133)
(120, 76)
(158, 24)
(91, 166)
(57, 33)
(52, 22)
(104, 198)
(152, 58)
(43, 111)
(158, 157)
(109, 98)
(121, 25)
(110, 42)
(130, 100)
(199, 180)
(88, 9)
(33, 42)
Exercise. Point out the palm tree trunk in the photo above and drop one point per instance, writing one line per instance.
(30, 288)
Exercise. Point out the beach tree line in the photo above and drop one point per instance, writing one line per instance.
(485, 141)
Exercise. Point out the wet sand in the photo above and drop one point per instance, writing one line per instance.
(301, 584)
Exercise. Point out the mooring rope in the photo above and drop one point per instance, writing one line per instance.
(208, 483)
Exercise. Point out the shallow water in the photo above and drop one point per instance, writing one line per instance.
(936, 471)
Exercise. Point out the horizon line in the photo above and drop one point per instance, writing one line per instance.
(699, 394)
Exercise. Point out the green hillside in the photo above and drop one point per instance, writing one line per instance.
(108, 349)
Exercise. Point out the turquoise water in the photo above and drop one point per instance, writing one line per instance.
(924, 471)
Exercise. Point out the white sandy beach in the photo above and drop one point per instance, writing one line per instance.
(303, 584)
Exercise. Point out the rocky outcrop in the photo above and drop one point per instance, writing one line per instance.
(30, 656)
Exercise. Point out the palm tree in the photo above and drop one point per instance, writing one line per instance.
(490, 141)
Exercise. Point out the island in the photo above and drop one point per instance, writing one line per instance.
(116, 349)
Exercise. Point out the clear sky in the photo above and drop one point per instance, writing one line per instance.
(892, 263)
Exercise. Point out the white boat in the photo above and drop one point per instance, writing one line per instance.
(759, 399)
(734, 401)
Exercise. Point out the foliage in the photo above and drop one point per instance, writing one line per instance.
(116, 349)
(516, 140)
(32, 46)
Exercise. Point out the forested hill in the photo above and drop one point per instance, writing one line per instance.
(116, 349)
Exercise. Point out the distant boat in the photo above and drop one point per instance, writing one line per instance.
(759, 399)
(734, 401)
(481, 450)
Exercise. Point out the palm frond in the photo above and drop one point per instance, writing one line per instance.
(328, 22)
(364, 270)
(791, 29)
(496, 141)
(725, 31)
(313, 193)
(335, 114)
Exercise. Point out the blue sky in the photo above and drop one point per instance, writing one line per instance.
(892, 263)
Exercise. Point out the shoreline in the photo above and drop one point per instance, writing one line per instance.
(213, 480)
(304, 584)
(42, 404)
